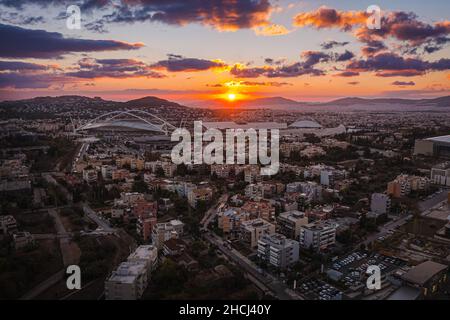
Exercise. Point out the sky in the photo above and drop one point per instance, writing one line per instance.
(208, 52)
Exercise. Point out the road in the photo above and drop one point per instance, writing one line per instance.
(272, 284)
(427, 204)
(424, 207)
(211, 213)
(384, 229)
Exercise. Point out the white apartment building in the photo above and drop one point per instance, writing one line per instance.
(107, 172)
(380, 203)
(277, 250)
(130, 279)
(440, 174)
(127, 282)
(90, 175)
(147, 254)
(318, 235)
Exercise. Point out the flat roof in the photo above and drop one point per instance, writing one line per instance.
(423, 272)
(405, 293)
(440, 139)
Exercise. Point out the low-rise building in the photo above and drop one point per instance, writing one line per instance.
(252, 230)
(318, 235)
(8, 224)
(22, 239)
(380, 203)
(164, 231)
(440, 174)
(429, 277)
(130, 279)
(290, 222)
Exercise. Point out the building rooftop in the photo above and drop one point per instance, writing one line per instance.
(305, 124)
(423, 272)
(144, 252)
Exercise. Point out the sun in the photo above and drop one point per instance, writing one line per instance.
(231, 96)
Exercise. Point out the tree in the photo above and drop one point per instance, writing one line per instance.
(140, 186)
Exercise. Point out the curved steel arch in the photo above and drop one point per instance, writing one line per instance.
(163, 127)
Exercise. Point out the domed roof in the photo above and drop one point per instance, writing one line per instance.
(305, 124)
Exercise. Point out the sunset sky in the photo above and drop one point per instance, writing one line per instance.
(201, 52)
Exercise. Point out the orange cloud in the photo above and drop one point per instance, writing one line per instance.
(271, 30)
(325, 17)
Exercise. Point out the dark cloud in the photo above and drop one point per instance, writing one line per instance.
(177, 63)
(19, 19)
(271, 61)
(353, 83)
(19, 80)
(113, 68)
(219, 14)
(17, 42)
(405, 27)
(265, 84)
(403, 83)
(305, 67)
(333, 44)
(347, 74)
(347, 55)
(20, 66)
(84, 4)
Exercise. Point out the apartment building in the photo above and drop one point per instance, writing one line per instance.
(145, 225)
(147, 254)
(8, 224)
(199, 194)
(252, 230)
(107, 172)
(277, 250)
(318, 235)
(165, 231)
(221, 170)
(440, 174)
(290, 222)
(230, 220)
(380, 203)
(90, 175)
(260, 209)
(130, 279)
(403, 184)
(168, 168)
(252, 174)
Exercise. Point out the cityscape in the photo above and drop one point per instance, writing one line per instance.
(130, 172)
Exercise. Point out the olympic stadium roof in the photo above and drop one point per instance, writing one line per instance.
(125, 124)
(305, 124)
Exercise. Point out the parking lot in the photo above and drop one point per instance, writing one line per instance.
(315, 289)
(354, 266)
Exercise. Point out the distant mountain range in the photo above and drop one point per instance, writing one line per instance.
(276, 103)
(87, 102)
(283, 103)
